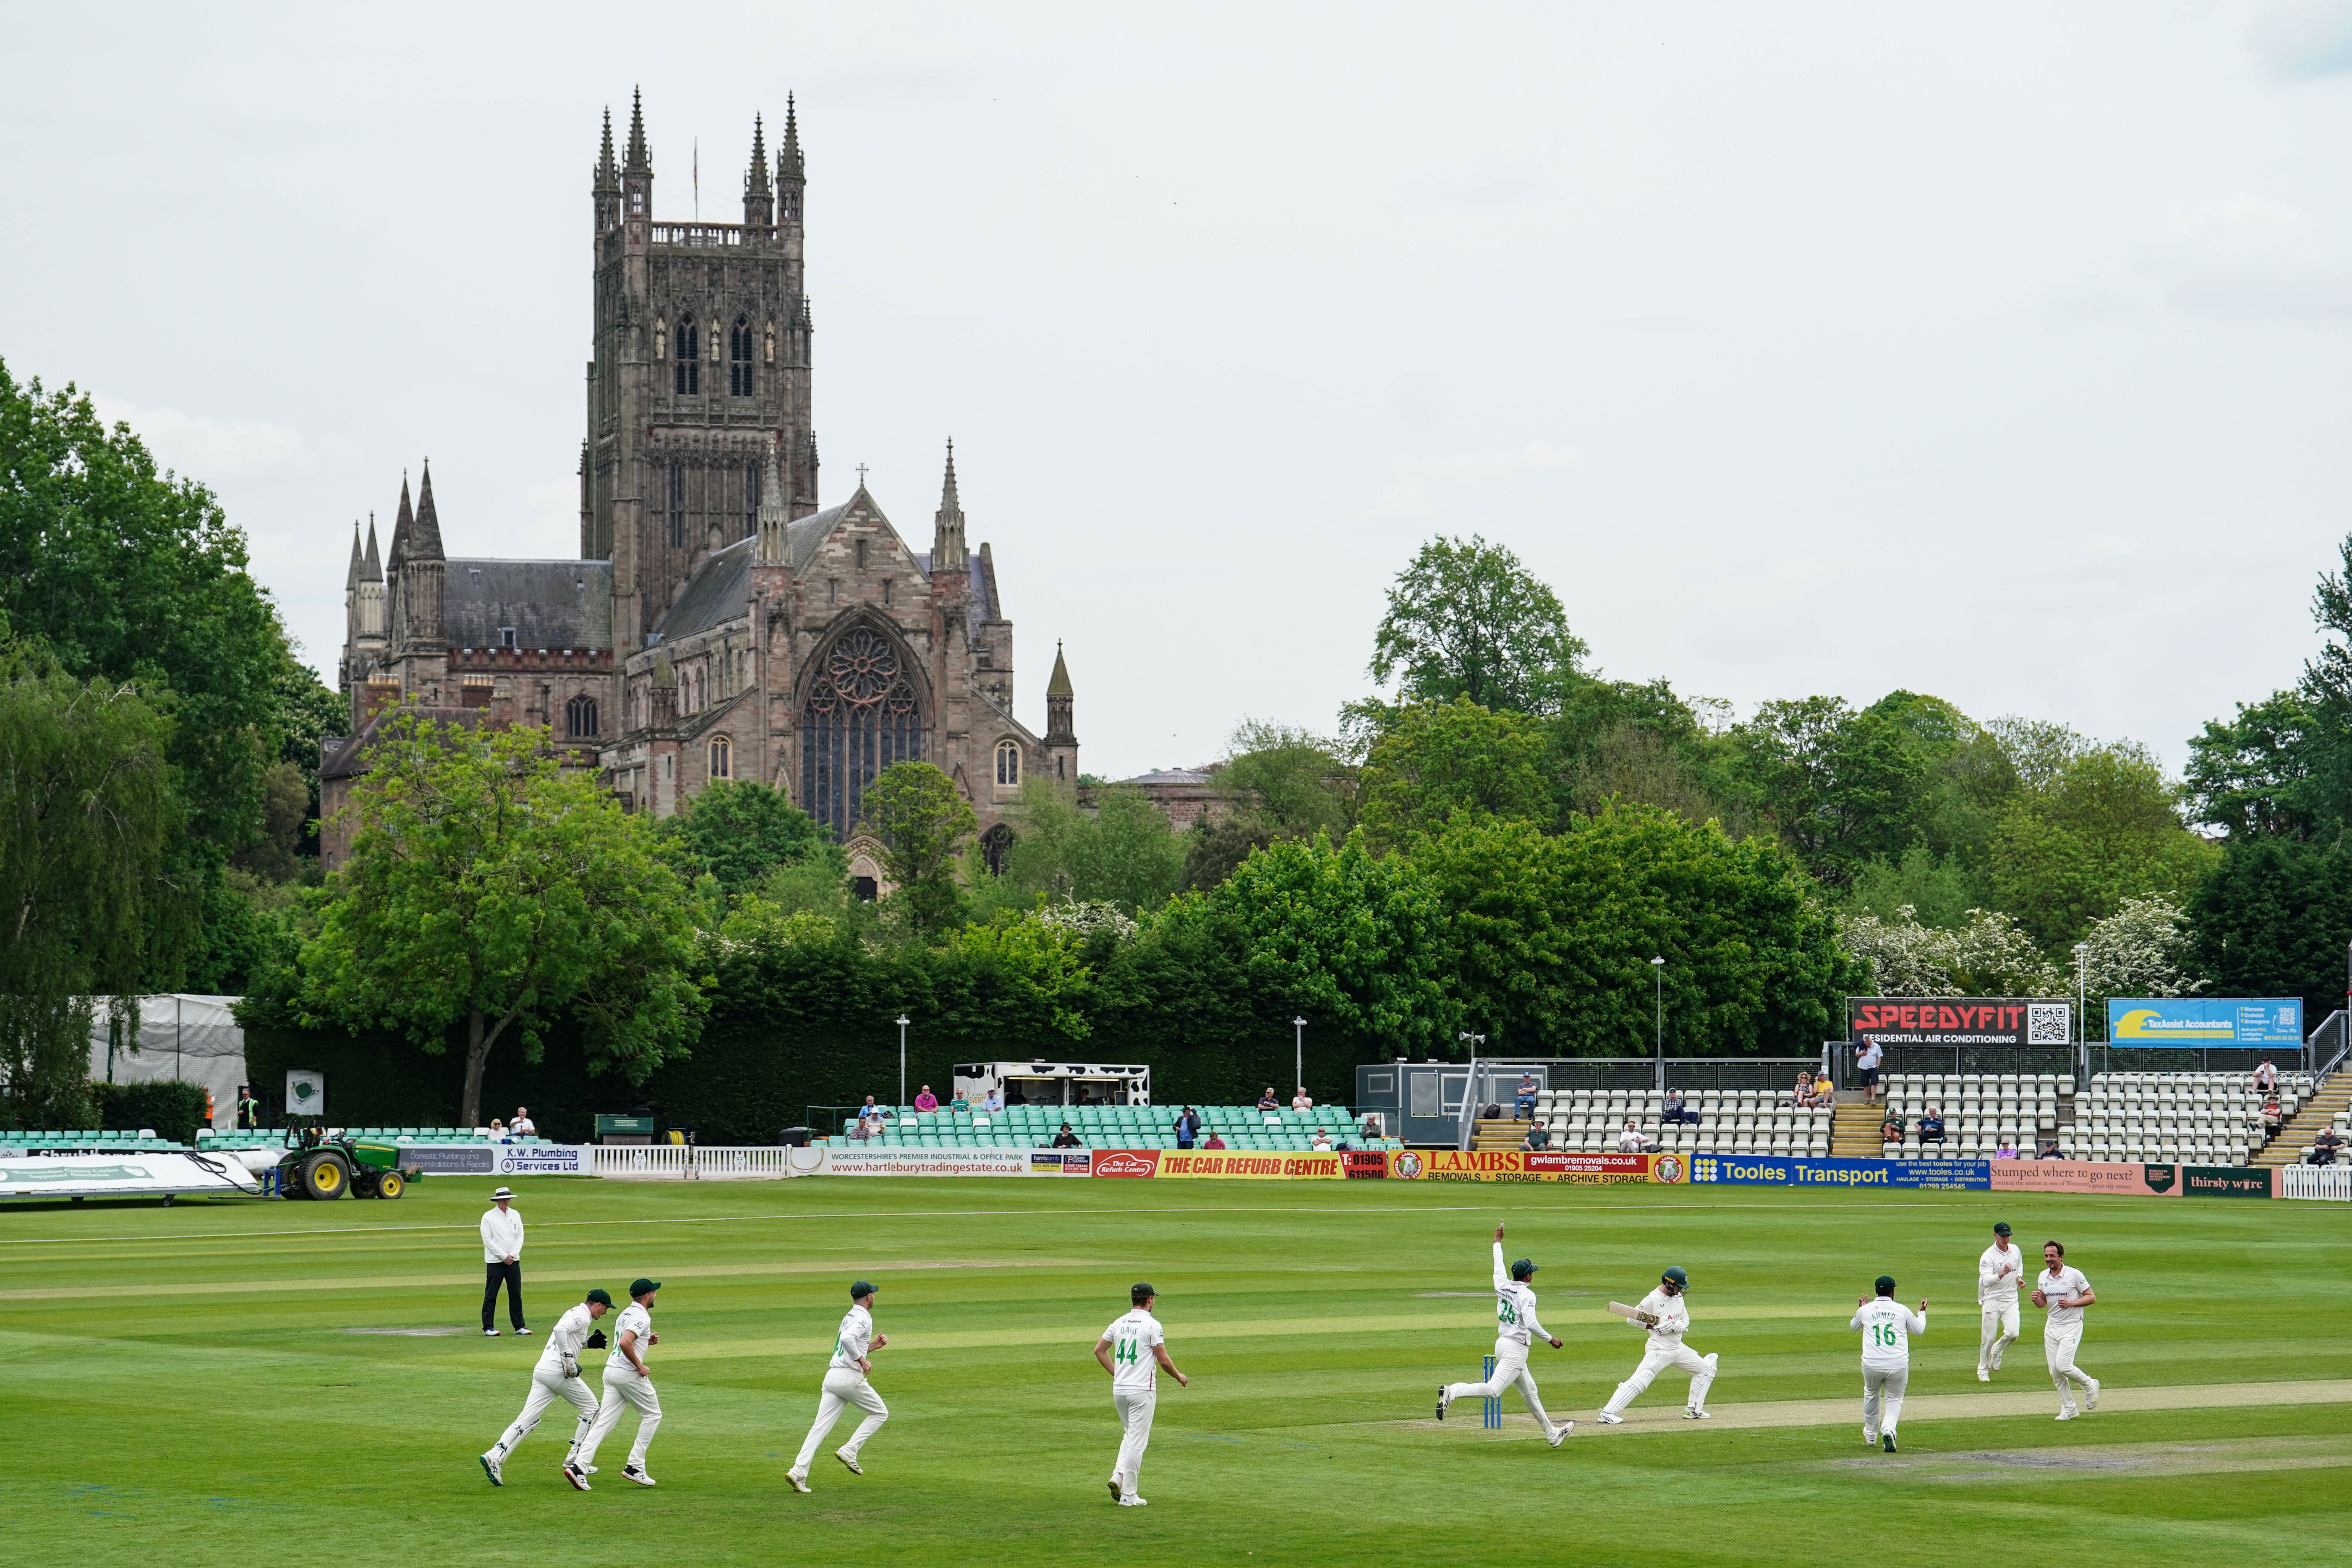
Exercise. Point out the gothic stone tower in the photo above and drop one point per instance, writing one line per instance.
(702, 368)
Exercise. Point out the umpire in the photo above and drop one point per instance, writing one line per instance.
(502, 1260)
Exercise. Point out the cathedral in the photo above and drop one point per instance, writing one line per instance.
(719, 624)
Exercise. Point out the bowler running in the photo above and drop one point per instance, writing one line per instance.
(1515, 1326)
(845, 1385)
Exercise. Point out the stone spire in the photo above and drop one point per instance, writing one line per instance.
(370, 568)
(401, 523)
(424, 533)
(947, 530)
(1058, 696)
(608, 173)
(352, 578)
(640, 161)
(773, 515)
(789, 169)
(755, 183)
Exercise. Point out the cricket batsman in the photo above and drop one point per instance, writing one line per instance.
(1886, 1331)
(1515, 1325)
(1666, 1317)
(844, 1385)
(2000, 1275)
(2064, 1292)
(557, 1376)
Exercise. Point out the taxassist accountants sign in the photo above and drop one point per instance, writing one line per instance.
(2205, 1021)
(1960, 1020)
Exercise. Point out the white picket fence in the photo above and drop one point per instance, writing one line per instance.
(687, 1162)
(2328, 1181)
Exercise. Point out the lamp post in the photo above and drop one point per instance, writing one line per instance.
(2082, 1003)
(1658, 973)
(1298, 1045)
(902, 1058)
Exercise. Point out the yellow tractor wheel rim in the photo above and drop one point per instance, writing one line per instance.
(328, 1175)
(388, 1185)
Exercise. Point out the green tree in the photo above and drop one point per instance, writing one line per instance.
(1466, 621)
(2272, 920)
(915, 813)
(86, 811)
(307, 711)
(488, 888)
(1839, 787)
(1122, 852)
(2105, 826)
(1290, 780)
(1441, 759)
(2272, 769)
(1986, 955)
(740, 830)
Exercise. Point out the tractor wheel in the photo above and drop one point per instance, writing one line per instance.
(325, 1175)
(388, 1185)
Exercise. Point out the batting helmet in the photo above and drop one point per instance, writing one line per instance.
(1675, 1277)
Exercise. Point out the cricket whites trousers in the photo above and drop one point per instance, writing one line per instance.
(1134, 1425)
(1657, 1359)
(546, 1387)
(493, 1275)
(1882, 1399)
(843, 1386)
(623, 1385)
(2000, 1332)
(2059, 1345)
(1510, 1372)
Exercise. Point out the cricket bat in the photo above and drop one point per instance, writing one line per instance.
(1623, 1311)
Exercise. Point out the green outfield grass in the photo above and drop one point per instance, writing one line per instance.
(191, 1384)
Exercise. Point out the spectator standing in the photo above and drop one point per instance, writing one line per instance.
(248, 1111)
(2266, 1077)
(1523, 1102)
(1066, 1139)
(1302, 1101)
(1267, 1102)
(1188, 1128)
(926, 1100)
(524, 1127)
(502, 1260)
(1865, 1066)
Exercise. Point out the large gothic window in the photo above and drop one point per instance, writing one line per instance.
(579, 718)
(738, 358)
(995, 846)
(688, 358)
(861, 716)
(751, 500)
(1008, 763)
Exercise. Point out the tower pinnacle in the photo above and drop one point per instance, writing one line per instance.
(640, 161)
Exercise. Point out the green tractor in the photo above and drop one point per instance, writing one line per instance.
(319, 1166)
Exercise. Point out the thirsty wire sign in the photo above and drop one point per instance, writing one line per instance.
(1959, 1021)
(2205, 1021)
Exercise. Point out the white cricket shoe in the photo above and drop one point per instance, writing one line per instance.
(1133, 1502)
(1442, 1401)
(2066, 1415)
(634, 1474)
(1692, 1413)
(1560, 1432)
(491, 1468)
(1869, 1439)
(799, 1481)
(2091, 1400)
(490, 1333)
(1609, 1420)
(577, 1477)
(522, 1333)
(1115, 1493)
(847, 1460)
(1887, 1442)
(1983, 1377)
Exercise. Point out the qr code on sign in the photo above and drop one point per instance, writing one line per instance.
(2045, 1024)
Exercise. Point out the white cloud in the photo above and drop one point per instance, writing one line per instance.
(202, 447)
(2304, 38)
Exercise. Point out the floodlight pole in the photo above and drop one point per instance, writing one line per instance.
(902, 1058)
(1658, 973)
(1298, 1045)
(2083, 1004)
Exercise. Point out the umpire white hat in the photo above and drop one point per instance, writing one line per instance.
(502, 1194)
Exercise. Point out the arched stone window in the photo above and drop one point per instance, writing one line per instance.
(995, 846)
(689, 357)
(722, 757)
(862, 715)
(579, 718)
(1008, 763)
(739, 344)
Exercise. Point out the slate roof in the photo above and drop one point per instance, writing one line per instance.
(803, 536)
(549, 604)
(346, 756)
(718, 591)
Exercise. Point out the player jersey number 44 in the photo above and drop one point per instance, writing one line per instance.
(1134, 1369)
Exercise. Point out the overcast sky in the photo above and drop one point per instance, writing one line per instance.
(1995, 351)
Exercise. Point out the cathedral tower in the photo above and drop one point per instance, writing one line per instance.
(702, 369)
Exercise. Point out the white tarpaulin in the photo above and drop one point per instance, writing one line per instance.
(120, 1175)
(179, 1037)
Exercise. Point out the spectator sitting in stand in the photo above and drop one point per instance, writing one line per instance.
(1302, 1101)
(1267, 1102)
(994, 1102)
(2328, 1147)
(1803, 1095)
(1675, 1109)
(498, 1130)
(2272, 1116)
(860, 1130)
(1370, 1129)
(1538, 1137)
(869, 1111)
(2050, 1150)
(1321, 1142)
(523, 1126)
(926, 1100)
(1214, 1141)
(1523, 1102)
(1890, 1130)
(1824, 1092)
(1630, 1140)
(1931, 1126)
(1066, 1139)
(2266, 1077)
(2008, 1149)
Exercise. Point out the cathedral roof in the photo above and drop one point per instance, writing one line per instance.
(801, 537)
(549, 604)
(719, 590)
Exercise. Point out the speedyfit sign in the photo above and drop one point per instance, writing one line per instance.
(1960, 1020)
(1793, 1170)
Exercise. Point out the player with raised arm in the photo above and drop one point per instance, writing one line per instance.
(1515, 1325)
(1888, 1328)
(2064, 1292)
(846, 1385)
(1666, 1317)
(1133, 1349)
(2000, 1275)
(557, 1376)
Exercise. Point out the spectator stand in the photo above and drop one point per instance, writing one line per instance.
(1117, 1127)
(1434, 1104)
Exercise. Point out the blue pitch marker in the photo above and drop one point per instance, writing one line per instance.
(1494, 1412)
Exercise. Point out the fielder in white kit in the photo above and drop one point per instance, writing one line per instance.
(1667, 1316)
(1515, 1325)
(557, 1376)
(2064, 1291)
(1887, 1327)
(844, 1385)
(628, 1381)
(1133, 1349)
(2000, 1275)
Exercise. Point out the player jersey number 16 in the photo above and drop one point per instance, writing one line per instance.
(1882, 1335)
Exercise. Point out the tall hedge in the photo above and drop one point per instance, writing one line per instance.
(173, 1108)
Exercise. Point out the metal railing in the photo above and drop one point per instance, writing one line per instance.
(2324, 1051)
(691, 1161)
(1495, 1080)
(2331, 1183)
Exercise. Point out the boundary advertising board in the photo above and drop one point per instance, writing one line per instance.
(1534, 1165)
(1960, 1020)
(1802, 1171)
(2191, 1021)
